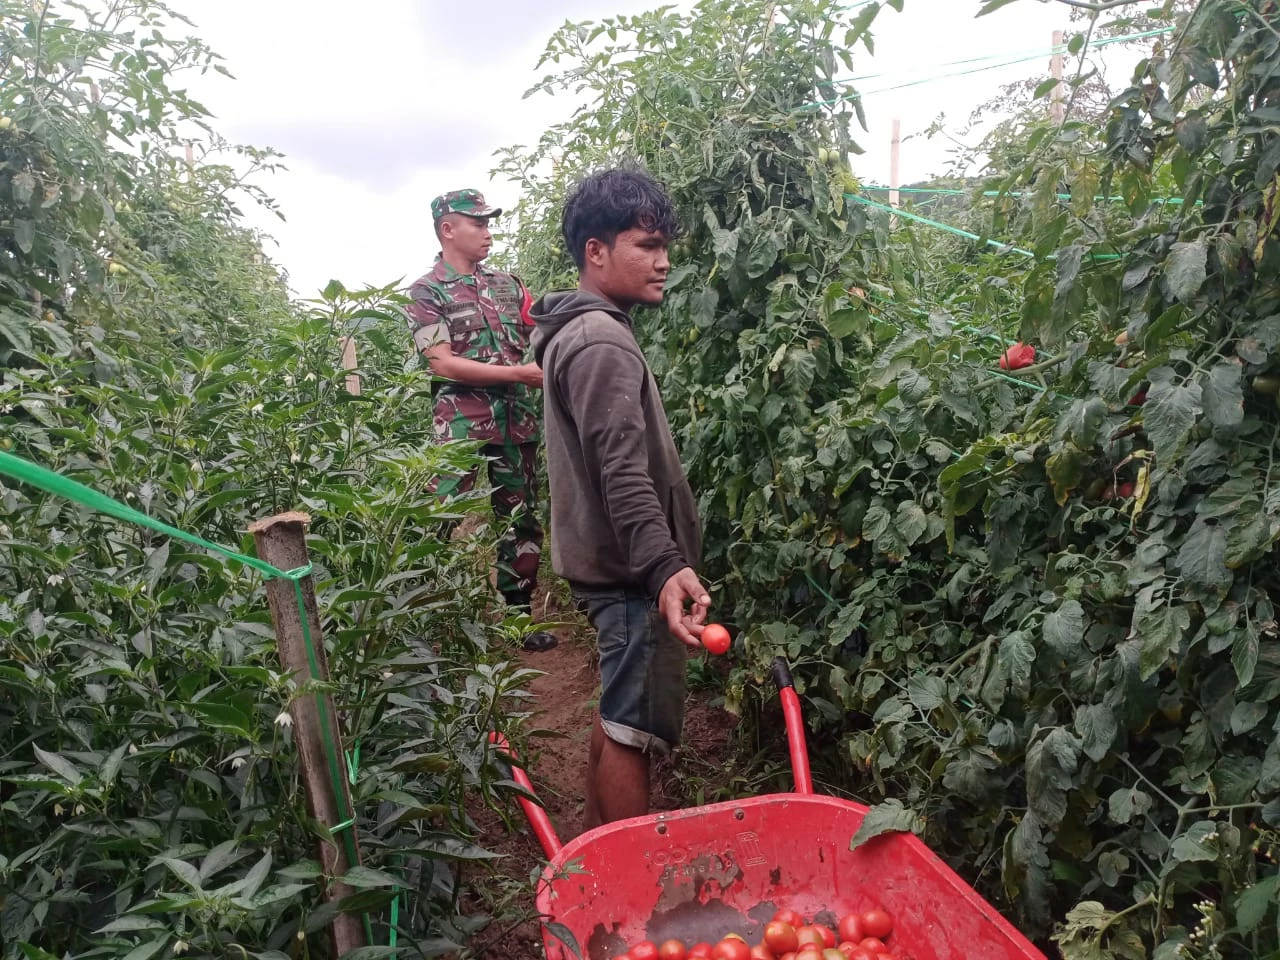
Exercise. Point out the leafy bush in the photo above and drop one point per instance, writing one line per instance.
(150, 801)
(1037, 608)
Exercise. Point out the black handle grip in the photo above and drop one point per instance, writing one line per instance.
(781, 674)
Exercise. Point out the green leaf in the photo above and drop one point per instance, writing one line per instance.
(927, 692)
(991, 6)
(1064, 628)
(59, 765)
(1096, 724)
(256, 876)
(1197, 844)
(1185, 269)
(1245, 716)
(1016, 657)
(1045, 86)
(887, 817)
(911, 521)
(145, 951)
(184, 872)
(1127, 803)
(1244, 656)
(368, 878)
(1160, 632)
(1254, 902)
(1223, 395)
(1170, 413)
(1201, 559)
(1050, 766)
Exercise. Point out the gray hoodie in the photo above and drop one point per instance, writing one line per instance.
(622, 512)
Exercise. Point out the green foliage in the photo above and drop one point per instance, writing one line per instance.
(1036, 610)
(150, 799)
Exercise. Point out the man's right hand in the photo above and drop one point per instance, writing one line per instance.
(680, 587)
(530, 374)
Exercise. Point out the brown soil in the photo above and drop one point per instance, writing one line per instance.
(564, 704)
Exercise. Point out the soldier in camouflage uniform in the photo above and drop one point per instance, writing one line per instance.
(471, 325)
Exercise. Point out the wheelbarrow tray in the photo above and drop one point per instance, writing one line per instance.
(701, 873)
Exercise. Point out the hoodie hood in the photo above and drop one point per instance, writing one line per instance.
(554, 310)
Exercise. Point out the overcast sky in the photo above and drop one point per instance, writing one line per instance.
(380, 106)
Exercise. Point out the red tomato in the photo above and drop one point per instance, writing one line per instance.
(846, 947)
(761, 952)
(644, 950)
(731, 948)
(789, 955)
(810, 934)
(877, 923)
(850, 928)
(789, 917)
(828, 936)
(1125, 490)
(700, 951)
(672, 950)
(831, 953)
(810, 951)
(781, 937)
(715, 638)
(860, 954)
(1018, 356)
(873, 945)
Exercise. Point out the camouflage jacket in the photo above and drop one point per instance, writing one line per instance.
(481, 317)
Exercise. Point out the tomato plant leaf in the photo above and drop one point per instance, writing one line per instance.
(1063, 628)
(1223, 395)
(1199, 843)
(1170, 413)
(1201, 559)
(1097, 727)
(1254, 902)
(1244, 656)
(1126, 803)
(1160, 632)
(1185, 269)
(1016, 657)
(887, 817)
(1050, 767)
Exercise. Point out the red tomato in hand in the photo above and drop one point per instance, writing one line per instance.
(873, 945)
(850, 928)
(644, 950)
(731, 948)
(789, 917)
(781, 937)
(715, 638)
(672, 950)
(700, 951)
(877, 923)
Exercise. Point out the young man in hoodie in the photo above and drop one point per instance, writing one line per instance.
(625, 531)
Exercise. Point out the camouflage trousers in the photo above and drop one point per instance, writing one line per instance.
(513, 474)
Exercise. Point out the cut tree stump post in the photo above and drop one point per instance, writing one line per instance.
(281, 542)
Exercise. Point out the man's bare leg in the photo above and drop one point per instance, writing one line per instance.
(617, 781)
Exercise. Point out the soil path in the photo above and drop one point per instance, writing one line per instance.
(564, 702)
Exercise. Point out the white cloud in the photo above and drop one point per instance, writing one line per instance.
(381, 107)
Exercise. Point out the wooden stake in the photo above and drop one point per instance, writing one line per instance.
(349, 363)
(191, 162)
(281, 542)
(895, 149)
(1058, 102)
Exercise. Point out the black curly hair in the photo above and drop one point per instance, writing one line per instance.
(609, 202)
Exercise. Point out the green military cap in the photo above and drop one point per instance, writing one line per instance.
(469, 202)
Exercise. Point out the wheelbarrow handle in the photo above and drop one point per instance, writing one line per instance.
(794, 718)
(538, 819)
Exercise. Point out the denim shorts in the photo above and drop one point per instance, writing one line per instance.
(642, 668)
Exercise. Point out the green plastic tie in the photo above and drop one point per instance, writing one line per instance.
(59, 486)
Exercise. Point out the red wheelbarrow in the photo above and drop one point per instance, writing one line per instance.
(698, 874)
